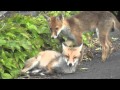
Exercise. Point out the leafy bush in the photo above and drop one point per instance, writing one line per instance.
(87, 39)
(23, 37)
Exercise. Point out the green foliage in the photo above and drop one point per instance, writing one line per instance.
(23, 37)
(87, 38)
(65, 13)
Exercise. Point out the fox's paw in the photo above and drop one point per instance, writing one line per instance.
(104, 59)
(48, 72)
(42, 74)
(112, 50)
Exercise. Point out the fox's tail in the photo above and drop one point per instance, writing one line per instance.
(116, 24)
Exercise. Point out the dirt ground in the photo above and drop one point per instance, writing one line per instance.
(94, 69)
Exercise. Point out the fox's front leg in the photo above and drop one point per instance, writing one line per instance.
(78, 39)
(51, 66)
(82, 54)
(49, 69)
(105, 48)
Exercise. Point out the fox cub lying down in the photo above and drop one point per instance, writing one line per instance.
(52, 61)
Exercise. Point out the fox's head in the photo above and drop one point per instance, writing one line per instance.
(56, 25)
(72, 55)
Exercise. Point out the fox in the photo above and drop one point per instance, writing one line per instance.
(53, 61)
(101, 22)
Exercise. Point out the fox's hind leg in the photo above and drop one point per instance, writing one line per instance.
(110, 44)
(30, 64)
(105, 47)
(105, 41)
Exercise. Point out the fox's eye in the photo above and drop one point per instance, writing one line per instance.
(56, 28)
(66, 56)
(50, 29)
(75, 57)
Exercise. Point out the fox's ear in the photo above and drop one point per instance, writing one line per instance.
(60, 17)
(80, 47)
(47, 17)
(63, 46)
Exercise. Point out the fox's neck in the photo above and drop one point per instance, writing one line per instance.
(61, 59)
(65, 25)
(66, 31)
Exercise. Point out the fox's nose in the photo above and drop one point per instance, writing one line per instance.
(70, 64)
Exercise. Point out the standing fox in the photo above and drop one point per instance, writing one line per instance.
(53, 61)
(101, 21)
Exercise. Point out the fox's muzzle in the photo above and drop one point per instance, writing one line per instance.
(54, 35)
(70, 64)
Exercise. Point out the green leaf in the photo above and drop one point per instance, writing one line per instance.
(12, 28)
(31, 26)
(11, 35)
(6, 76)
(17, 47)
(10, 65)
(4, 55)
(12, 45)
(14, 72)
(25, 46)
(21, 65)
(2, 42)
(43, 30)
(2, 61)
(25, 35)
(1, 69)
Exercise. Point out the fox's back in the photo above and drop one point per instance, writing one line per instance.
(94, 16)
(47, 56)
(87, 20)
